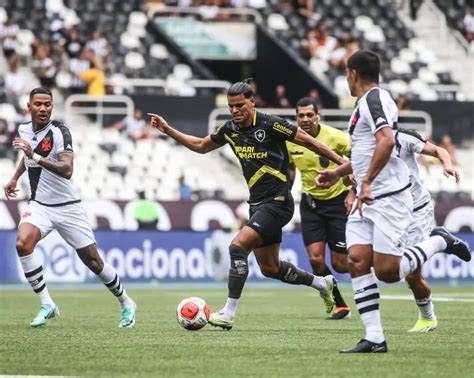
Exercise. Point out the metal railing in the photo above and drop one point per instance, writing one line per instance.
(77, 105)
(161, 83)
(158, 9)
(410, 119)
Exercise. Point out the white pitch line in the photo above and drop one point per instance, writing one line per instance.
(435, 298)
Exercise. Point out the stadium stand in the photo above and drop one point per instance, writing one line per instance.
(343, 26)
(111, 165)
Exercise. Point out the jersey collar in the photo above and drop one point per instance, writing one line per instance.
(41, 129)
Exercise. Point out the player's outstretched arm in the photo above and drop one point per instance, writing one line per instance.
(443, 156)
(200, 145)
(10, 187)
(63, 167)
(304, 139)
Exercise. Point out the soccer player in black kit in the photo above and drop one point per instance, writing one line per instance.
(259, 142)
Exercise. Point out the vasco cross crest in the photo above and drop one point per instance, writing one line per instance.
(260, 135)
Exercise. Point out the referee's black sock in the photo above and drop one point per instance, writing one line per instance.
(337, 294)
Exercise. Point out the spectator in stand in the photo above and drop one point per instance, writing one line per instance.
(304, 8)
(98, 45)
(185, 191)
(447, 144)
(76, 67)
(8, 32)
(73, 46)
(280, 100)
(14, 83)
(402, 103)
(469, 26)
(346, 46)
(94, 77)
(136, 127)
(314, 94)
(209, 10)
(46, 66)
(23, 116)
(319, 43)
(55, 8)
(259, 101)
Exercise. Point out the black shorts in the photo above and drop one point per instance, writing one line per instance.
(268, 218)
(324, 220)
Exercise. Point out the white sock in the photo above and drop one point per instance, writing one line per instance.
(319, 283)
(33, 270)
(367, 298)
(426, 308)
(231, 305)
(414, 257)
(111, 279)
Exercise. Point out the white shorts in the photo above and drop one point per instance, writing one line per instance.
(384, 226)
(70, 221)
(421, 225)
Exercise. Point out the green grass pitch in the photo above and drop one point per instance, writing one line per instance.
(279, 332)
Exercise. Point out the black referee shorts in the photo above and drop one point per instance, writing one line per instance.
(268, 219)
(324, 220)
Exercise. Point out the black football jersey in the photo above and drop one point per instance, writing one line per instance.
(262, 153)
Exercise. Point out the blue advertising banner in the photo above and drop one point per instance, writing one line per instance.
(178, 256)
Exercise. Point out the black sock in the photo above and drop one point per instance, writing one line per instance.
(291, 274)
(238, 271)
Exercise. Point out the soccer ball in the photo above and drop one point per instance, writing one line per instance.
(193, 313)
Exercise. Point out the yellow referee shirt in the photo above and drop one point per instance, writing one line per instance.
(309, 163)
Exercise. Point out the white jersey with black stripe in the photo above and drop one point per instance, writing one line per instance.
(408, 143)
(374, 111)
(47, 188)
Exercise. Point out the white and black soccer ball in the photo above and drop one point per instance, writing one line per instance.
(193, 313)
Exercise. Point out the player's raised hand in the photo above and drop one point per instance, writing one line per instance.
(159, 122)
(452, 172)
(10, 189)
(365, 196)
(326, 178)
(21, 144)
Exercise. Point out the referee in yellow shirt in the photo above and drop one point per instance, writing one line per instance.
(323, 215)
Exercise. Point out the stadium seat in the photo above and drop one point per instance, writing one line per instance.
(277, 21)
(129, 41)
(158, 51)
(374, 34)
(363, 23)
(398, 87)
(134, 61)
(399, 66)
(428, 76)
(8, 112)
(318, 66)
(137, 18)
(3, 15)
(136, 30)
(408, 55)
(63, 79)
(182, 72)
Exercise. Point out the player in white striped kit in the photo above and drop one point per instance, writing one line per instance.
(408, 143)
(54, 204)
(377, 228)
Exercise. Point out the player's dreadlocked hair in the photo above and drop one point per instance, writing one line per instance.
(241, 87)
